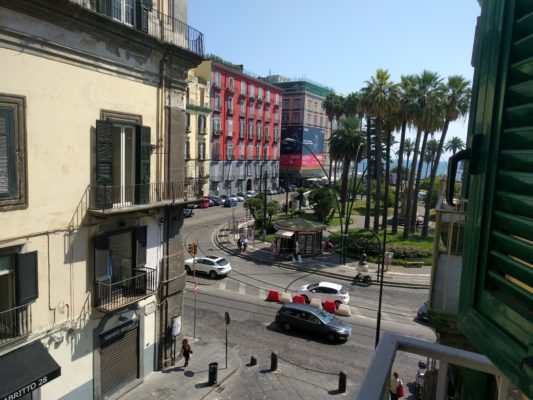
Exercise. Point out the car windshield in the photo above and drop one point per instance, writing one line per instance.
(343, 290)
(325, 317)
(222, 262)
(312, 286)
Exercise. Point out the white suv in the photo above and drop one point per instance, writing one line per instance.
(325, 291)
(211, 265)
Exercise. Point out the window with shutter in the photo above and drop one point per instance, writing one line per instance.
(141, 246)
(12, 153)
(496, 307)
(27, 285)
(142, 165)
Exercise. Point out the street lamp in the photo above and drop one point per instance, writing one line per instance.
(290, 140)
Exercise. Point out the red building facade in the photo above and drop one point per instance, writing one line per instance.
(245, 140)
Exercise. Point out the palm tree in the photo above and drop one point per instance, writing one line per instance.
(389, 125)
(426, 121)
(406, 146)
(344, 147)
(328, 105)
(381, 98)
(429, 156)
(454, 145)
(456, 101)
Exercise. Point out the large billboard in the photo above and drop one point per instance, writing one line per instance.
(306, 150)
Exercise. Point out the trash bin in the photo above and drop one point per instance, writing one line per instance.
(213, 372)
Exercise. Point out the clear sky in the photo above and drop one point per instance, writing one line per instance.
(341, 43)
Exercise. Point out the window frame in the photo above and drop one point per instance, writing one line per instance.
(17, 198)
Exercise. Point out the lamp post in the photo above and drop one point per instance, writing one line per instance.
(290, 140)
(381, 268)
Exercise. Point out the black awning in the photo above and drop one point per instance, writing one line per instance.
(26, 369)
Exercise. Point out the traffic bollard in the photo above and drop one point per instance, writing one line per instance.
(253, 361)
(342, 382)
(274, 361)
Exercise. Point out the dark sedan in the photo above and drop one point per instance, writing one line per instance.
(310, 319)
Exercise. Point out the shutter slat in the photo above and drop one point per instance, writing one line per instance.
(516, 292)
(101, 257)
(518, 138)
(517, 182)
(141, 246)
(516, 267)
(511, 223)
(514, 203)
(104, 164)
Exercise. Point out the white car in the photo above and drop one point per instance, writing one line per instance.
(213, 266)
(325, 291)
(237, 197)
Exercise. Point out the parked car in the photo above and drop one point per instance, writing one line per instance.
(270, 192)
(213, 266)
(243, 195)
(216, 200)
(281, 190)
(251, 193)
(236, 196)
(325, 291)
(188, 212)
(223, 198)
(423, 312)
(230, 202)
(291, 188)
(311, 319)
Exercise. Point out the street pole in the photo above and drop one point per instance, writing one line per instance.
(195, 294)
(265, 209)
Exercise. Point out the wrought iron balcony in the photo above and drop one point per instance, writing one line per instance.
(150, 21)
(114, 295)
(117, 199)
(15, 322)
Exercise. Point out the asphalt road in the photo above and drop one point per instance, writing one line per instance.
(312, 361)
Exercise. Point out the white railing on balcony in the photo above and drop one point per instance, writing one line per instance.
(375, 385)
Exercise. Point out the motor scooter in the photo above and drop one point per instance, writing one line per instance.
(419, 381)
(362, 279)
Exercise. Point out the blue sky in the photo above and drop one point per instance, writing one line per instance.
(341, 43)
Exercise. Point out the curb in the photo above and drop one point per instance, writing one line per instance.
(262, 260)
(215, 387)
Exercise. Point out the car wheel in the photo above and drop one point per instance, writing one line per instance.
(306, 299)
(188, 269)
(331, 337)
(212, 274)
(337, 304)
(286, 326)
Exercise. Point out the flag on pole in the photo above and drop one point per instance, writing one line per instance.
(196, 288)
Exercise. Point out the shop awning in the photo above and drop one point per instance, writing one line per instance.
(284, 233)
(26, 369)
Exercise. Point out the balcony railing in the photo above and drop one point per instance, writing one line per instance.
(15, 322)
(108, 198)
(163, 27)
(111, 296)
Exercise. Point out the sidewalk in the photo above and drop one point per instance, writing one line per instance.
(327, 264)
(192, 382)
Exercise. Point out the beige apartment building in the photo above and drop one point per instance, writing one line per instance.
(198, 133)
(92, 191)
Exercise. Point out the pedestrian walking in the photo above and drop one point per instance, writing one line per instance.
(186, 351)
(396, 387)
(245, 244)
(239, 244)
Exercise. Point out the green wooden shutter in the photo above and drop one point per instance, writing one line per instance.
(496, 310)
(26, 277)
(101, 257)
(7, 153)
(104, 164)
(142, 167)
(141, 246)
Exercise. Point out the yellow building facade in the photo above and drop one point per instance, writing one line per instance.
(92, 191)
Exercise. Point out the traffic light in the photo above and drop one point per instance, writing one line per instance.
(192, 248)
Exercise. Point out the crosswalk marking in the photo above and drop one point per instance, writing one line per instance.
(249, 290)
